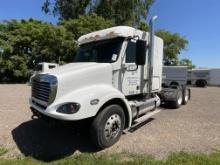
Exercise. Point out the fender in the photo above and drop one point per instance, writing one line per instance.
(101, 92)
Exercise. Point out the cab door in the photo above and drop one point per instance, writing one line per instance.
(130, 73)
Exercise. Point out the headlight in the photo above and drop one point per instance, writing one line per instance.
(69, 108)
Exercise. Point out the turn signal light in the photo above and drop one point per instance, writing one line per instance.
(69, 108)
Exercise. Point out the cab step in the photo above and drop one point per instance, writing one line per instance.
(142, 120)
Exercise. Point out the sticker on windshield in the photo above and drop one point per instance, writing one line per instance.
(114, 57)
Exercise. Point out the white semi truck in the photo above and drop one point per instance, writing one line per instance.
(115, 80)
(199, 77)
(203, 77)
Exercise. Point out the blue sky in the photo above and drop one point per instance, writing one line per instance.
(21, 9)
(197, 20)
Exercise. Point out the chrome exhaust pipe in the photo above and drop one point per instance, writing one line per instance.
(150, 55)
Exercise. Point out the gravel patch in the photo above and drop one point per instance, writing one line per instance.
(192, 128)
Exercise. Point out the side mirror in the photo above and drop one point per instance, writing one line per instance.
(141, 48)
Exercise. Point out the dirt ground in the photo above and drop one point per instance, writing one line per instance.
(192, 128)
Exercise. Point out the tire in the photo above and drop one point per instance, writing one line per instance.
(174, 83)
(186, 96)
(189, 82)
(201, 83)
(107, 127)
(178, 101)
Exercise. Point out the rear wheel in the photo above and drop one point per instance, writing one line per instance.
(174, 83)
(178, 101)
(186, 96)
(107, 127)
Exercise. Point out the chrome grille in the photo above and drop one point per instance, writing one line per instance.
(41, 90)
(44, 89)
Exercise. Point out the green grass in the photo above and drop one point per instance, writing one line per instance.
(123, 159)
(3, 151)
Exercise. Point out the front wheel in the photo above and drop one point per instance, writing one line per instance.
(107, 126)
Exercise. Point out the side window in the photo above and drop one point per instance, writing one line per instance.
(130, 52)
(51, 66)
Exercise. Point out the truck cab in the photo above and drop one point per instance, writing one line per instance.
(115, 80)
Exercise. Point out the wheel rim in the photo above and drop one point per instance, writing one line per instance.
(112, 126)
(180, 98)
(186, 95)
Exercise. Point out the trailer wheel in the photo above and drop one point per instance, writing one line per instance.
(178, 101)
(107, 127)
(201, 83)
(186, 96)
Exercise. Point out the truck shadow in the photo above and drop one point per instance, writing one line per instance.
(36, 139)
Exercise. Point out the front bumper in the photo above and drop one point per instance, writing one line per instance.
(50, 111)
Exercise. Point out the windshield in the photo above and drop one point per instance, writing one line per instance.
(106, 51)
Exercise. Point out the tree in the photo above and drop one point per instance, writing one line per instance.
(27, 42)
(143, 26)
(85, 24)
(187, 62)
(124, 12)
(174, 43)
(121, 12)
(66, 9)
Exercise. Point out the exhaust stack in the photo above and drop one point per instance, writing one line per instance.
(150, 55)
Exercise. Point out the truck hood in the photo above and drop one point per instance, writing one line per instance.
(74, 76)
